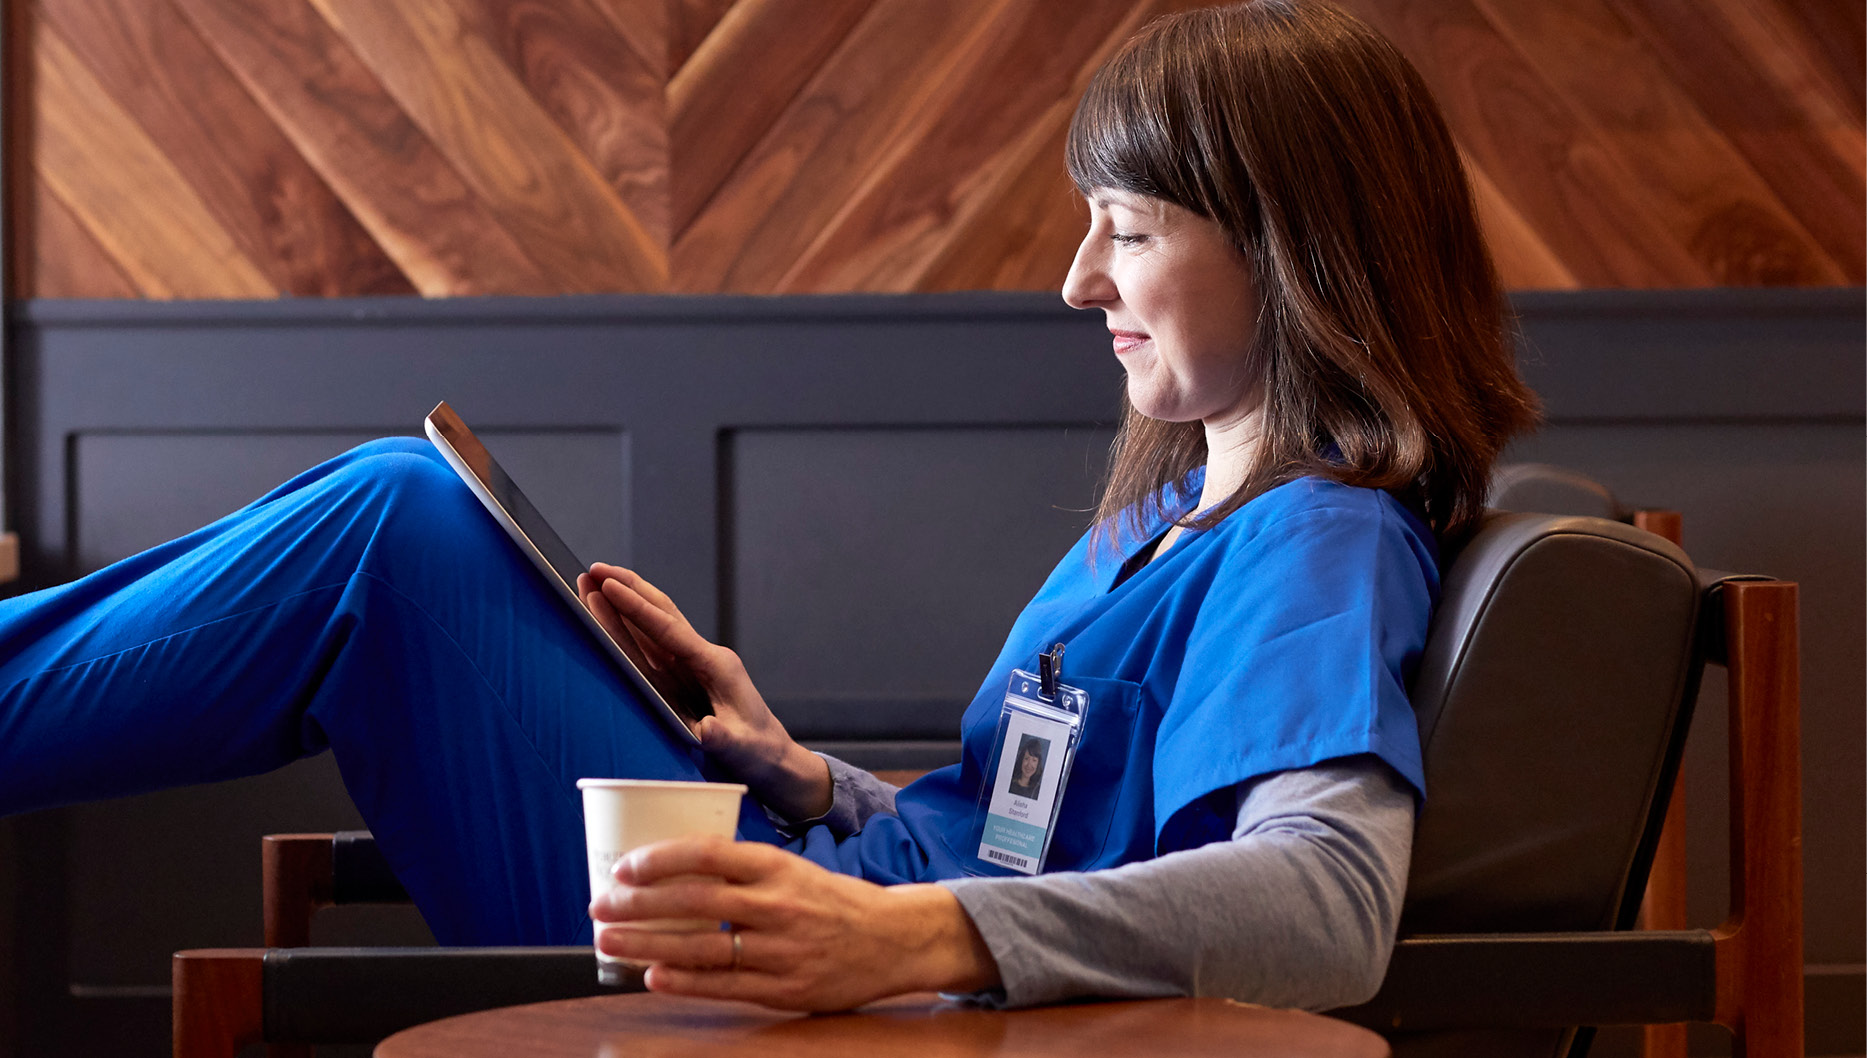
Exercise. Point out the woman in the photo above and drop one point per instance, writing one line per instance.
(1319, 376)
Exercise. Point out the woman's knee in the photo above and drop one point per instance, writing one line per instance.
(411, 505)
(400, 466)
(393, 493)
(394, 446)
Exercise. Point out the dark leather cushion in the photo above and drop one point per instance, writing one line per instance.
(1550, 700)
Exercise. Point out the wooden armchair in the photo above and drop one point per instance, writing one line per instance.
(1479, 970)
(1554, 697)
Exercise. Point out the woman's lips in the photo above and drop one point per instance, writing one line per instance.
(1126, 340)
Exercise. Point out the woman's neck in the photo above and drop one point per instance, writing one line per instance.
(1231, 447)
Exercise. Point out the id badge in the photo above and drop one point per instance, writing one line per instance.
(1033, 750)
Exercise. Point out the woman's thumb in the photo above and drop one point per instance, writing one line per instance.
(713, 734)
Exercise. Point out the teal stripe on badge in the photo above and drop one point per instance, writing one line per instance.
(1013, 836)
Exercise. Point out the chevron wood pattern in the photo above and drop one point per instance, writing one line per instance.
(260, 148)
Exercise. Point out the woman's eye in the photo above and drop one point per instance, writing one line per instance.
(1127, 238)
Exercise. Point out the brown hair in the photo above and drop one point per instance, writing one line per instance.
(1384, 344)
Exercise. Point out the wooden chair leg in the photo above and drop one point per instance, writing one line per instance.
(1759, 948)
(217, 1004)
(1665, 903)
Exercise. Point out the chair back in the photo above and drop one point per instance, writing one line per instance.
(1553, 699)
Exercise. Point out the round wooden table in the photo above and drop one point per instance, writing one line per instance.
(916, 1026)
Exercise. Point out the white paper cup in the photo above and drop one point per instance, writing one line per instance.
(624, 814)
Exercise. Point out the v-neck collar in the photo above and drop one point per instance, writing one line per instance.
(1142, 558)
(1175, 505)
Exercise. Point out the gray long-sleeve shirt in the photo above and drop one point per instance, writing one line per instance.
(1298, 909)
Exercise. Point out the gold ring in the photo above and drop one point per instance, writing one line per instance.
(739, 949)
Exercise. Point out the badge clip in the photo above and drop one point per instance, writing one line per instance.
(1049, 671)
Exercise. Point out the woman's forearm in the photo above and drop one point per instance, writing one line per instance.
(1299, 909)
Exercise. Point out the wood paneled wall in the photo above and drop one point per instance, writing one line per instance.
(256, 148)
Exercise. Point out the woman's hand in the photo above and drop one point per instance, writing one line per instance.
(810, 939)
(742, 733)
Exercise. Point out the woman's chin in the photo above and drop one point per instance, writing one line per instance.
(1142, 396)
(1150, 403)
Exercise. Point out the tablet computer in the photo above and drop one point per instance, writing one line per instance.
(680, 704)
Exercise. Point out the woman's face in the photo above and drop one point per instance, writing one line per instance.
(1180, 305)
(1027, 767)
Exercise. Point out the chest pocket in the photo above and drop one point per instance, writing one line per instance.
(1110, 794)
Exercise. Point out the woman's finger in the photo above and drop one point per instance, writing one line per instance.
(600, 608)
(656, 597)
(653, 643)
(592, 580)
(657, 655)
(735, 861)
(618, 628)
(753, 985)
(708, 899)
(700, 950)
(670, 633)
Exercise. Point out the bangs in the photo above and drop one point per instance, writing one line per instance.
(1154, 121)
(1122, 136)
(1104, 148)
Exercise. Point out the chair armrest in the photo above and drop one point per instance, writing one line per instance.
(225, 998)
(1544, 980)
(360, 995)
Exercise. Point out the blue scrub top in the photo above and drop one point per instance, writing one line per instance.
(1282, 637)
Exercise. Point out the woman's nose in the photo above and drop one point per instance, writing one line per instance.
(1088, 284)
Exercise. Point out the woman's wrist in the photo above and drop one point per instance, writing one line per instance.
(783, 775)
(940, 941)
(811, 789)
(797, 785)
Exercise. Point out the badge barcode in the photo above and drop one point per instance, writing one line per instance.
(1006, 857)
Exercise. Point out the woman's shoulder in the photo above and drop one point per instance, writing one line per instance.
(1311, 500)
(1313, 522)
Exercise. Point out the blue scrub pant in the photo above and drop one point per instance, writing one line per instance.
(369, 606)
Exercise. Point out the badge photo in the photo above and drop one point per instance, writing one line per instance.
(1027, 775)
